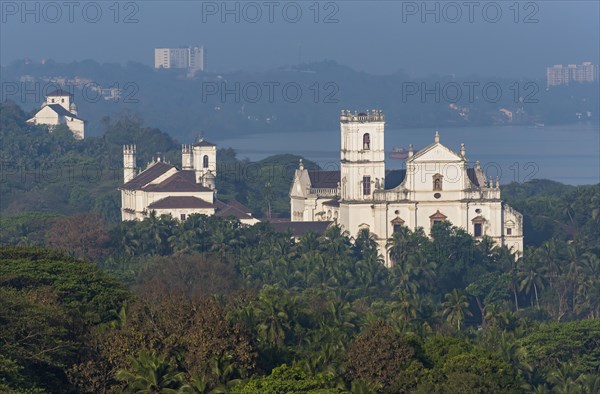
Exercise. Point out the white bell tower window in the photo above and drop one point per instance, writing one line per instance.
(366, 184)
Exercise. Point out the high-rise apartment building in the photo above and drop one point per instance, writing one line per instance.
(563, 75)
(191, 58)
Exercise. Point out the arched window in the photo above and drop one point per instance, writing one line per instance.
(366, 141)
(509, 227)
(437, 182)
(205, 161)
(478, 226)
(366, 184)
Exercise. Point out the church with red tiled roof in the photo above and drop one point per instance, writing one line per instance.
(167, 190)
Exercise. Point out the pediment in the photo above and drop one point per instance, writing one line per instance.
(397, 220)
(436, 152)
(438, 216)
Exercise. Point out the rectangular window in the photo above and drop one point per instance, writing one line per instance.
(366, 185)
(437, 222)
(397, 228)
(182, 217)
(509, 231)
(478, 230)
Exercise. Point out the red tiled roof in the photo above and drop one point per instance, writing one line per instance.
(180, 202)
(301, 228)
(472, 176)
(203, 143)
(232, 208)
(147, 176)
(332, 203)
(61, 111)
(324, 179)
(329, 179)
(182, 181)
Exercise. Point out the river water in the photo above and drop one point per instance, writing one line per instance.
(567, 153)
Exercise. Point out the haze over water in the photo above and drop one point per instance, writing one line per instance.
(567, 153)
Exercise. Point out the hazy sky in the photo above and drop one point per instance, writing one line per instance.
(487, 38)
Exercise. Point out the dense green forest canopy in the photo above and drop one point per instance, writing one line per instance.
(214, 306)
(89, 304)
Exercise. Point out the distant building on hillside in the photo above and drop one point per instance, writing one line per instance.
(167, 190)
(59, 108)
(563, 75)
(190, 58)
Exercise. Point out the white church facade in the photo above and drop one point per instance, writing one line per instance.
(436, 185)
(167, 190)
(59, 108)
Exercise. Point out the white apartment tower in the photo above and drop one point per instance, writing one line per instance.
(563, 75)
(190, 58)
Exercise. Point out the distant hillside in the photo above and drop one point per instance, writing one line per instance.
(554, 210)
(291, 99)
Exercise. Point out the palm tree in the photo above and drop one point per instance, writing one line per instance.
(195, 386)
(399, 245)
(225, 371)
(531, 276)
(562, 379)
(157, 232)
(309, 242)
(514, 354)
(590, 383)
(151, 375)
(407, 305)
(273, 317)
(549, 257)
(189, 235)
(456, 307)
(365, 243)
(589, 286)
(336, 241)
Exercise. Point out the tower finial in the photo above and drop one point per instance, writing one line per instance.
(462, 150)
(437, 137)
(301, 165)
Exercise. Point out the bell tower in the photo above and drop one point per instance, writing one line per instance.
(204, 156)
(362, 161)
(128, 162)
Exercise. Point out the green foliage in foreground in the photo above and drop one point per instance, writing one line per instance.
(47, 303)
(220, 307)
(286, 380)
